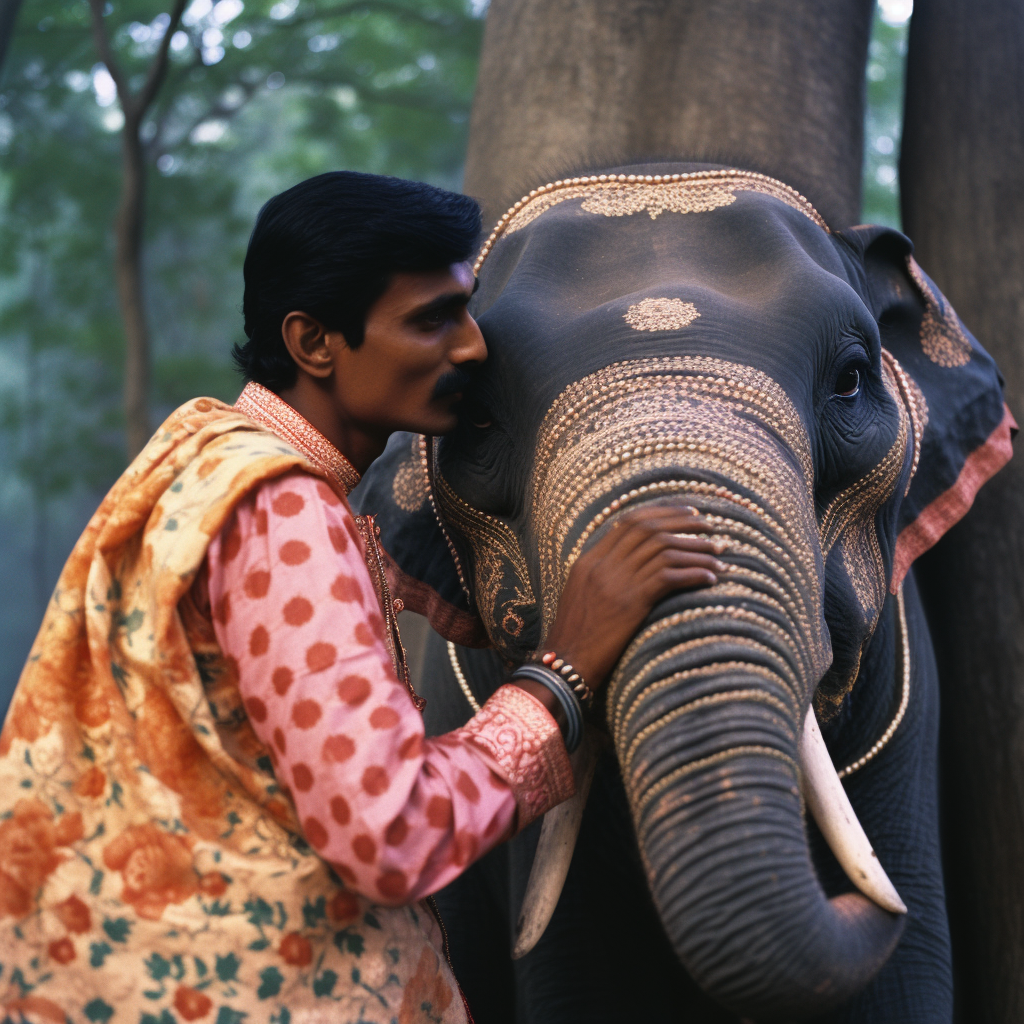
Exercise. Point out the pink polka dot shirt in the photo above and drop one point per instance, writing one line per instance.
(397, 815)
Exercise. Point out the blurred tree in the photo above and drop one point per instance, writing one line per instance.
(884, 112)
(258, 95)
(169, 89)
(131, 211)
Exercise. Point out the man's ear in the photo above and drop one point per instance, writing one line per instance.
(967, 427)
(307, 341)
(420, 564)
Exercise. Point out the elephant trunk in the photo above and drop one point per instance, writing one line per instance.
(706, 711)
(708, 704)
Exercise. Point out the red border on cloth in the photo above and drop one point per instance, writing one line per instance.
(952, 505)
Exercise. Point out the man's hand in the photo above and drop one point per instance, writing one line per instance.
(612, 587)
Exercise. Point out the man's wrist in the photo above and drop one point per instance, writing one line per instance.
(546, 697)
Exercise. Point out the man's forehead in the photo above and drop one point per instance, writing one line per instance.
(463, 273)
(411, 289)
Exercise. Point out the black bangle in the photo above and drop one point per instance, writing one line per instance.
(572, 734)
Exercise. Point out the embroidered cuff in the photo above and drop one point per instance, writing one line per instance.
(518, 732)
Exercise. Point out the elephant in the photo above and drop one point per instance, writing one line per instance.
(697, 330)
(674, 332)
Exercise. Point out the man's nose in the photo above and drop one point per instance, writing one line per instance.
(470, 346)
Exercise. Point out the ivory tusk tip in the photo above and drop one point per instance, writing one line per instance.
(830, 806)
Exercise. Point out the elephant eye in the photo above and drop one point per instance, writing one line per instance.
(848, 383)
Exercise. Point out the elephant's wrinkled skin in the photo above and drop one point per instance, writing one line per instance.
(740, 358)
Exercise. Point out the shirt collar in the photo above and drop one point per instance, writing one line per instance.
(263, 406)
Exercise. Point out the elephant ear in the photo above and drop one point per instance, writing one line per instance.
(953, 381)
(420, 562)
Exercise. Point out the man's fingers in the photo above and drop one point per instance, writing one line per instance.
(683, 544)
(629, 536)
(667, 580)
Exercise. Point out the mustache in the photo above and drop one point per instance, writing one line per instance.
(452, 382)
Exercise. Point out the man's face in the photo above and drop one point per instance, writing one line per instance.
(410, 370)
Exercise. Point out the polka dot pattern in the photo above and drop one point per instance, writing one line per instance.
(396, 815)
(302, 777)
(337, 748)
(298, 611)
(294, 552)
(321, 656)
(306, 713)
(259, 641)
(282, 680)
(257, 583)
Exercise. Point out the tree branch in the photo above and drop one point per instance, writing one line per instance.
(106, 53)
(134, 105)
(158, 69)
(215, 110)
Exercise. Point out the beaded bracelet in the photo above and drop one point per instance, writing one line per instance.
(584, 693)
(573, 732)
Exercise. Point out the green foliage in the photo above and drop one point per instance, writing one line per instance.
(884, 121)
(259, 95)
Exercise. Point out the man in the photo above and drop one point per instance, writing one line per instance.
(216, 799)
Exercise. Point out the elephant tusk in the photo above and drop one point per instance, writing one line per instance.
(554, 852)
(835, 816)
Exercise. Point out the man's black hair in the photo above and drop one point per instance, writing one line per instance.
(329, 246)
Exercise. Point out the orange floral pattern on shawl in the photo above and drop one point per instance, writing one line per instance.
(151, 871)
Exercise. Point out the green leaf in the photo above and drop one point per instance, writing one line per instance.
(227, 967)
(118, 929)
(271, 980)
(201, 967)
(313, 913)
(120, 675)
(225, 1015)
(166, 1017)
(158, 967)
(98, 952)
(259, 910)
(349, 942)
(371, 920)
(324, 985)
(98, 1011)
(258, 944)
(96, 882)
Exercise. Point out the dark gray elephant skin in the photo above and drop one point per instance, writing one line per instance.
(707, 339)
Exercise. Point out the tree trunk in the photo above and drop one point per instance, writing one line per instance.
(128, 257)
(131, 217)
(8, 18)
(775, 86)
(962, 179)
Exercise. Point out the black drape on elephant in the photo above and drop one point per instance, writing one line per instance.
(670, 333)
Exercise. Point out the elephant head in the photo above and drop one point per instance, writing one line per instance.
(700, 335)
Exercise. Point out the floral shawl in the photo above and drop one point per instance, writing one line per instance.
(150, 869)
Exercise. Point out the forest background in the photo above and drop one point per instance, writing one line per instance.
(255, 95)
